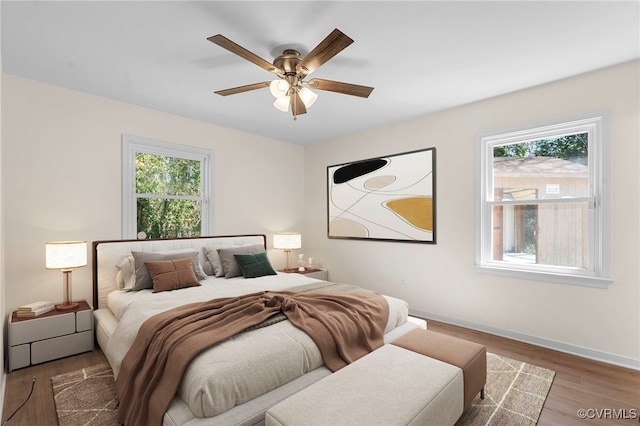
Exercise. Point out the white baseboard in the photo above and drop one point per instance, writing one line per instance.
(538, 341)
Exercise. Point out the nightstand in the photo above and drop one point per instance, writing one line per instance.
(319, 274)
(56, 334)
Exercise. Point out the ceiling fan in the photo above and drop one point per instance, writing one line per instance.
(290, 89)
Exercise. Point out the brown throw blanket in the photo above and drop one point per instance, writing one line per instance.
(344, 326)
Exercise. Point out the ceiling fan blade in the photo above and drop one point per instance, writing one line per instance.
(333, 44)
(242, 89)
(232, 47)
(339, 87)
(297, 106)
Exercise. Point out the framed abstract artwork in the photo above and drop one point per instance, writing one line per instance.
(391, 198)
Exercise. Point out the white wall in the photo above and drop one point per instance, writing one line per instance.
(440, 280)
(61, 168)
(3, 309)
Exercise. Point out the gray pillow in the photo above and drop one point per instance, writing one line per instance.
(212, 256)
(208, 267)
(143, 277)
(228, 260)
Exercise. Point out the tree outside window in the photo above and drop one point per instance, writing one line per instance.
(168, 201)
(165, 189)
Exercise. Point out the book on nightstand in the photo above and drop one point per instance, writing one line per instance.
(34, 309)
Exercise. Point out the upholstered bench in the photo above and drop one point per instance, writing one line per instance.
(389, 386)
(469, 356)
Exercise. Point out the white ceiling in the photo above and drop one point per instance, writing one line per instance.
(421, 56)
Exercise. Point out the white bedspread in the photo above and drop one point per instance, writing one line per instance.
(240, 368)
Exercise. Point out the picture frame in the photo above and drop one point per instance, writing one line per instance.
(389, 198)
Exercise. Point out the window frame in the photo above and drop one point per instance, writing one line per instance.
(134, 144)
(597, 125)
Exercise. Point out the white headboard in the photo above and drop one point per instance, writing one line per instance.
(108, 254)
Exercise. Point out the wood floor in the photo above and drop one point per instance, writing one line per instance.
(607, 392)
(579, 383)
(40, 410)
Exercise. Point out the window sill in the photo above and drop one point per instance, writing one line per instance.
(549, 277)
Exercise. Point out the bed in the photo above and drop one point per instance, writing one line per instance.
(237, 380)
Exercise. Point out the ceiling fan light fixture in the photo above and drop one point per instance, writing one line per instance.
(292, 69)
(279, 88)
(282, 103)
(308, 97)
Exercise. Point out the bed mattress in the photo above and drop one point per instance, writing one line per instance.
(277, 364)
(249, 413)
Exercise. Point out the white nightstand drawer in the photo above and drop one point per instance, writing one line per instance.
(60, 347)
(319, 275)
(52, 335)
(42, 328)
(19, 356)
(84, 321)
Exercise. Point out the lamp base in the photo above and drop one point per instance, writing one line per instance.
(67, 307)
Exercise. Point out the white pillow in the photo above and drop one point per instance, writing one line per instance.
(119, 280)
(127, 273)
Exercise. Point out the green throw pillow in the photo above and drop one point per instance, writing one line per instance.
(254, 265)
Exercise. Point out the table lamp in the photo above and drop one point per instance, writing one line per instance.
(287, 241)
(66, 256)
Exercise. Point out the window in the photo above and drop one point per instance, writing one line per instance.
(544, 202)
(165, 189)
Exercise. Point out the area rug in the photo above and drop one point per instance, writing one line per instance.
(514, 395)
(85, 397)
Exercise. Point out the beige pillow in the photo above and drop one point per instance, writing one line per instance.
(172, 274)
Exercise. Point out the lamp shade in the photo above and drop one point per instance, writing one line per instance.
(65, 254)
(308, 97)
(279, 88)
(287, 240)
(282, 103)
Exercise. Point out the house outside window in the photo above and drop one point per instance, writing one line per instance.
(165, 189)
(544, 210)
